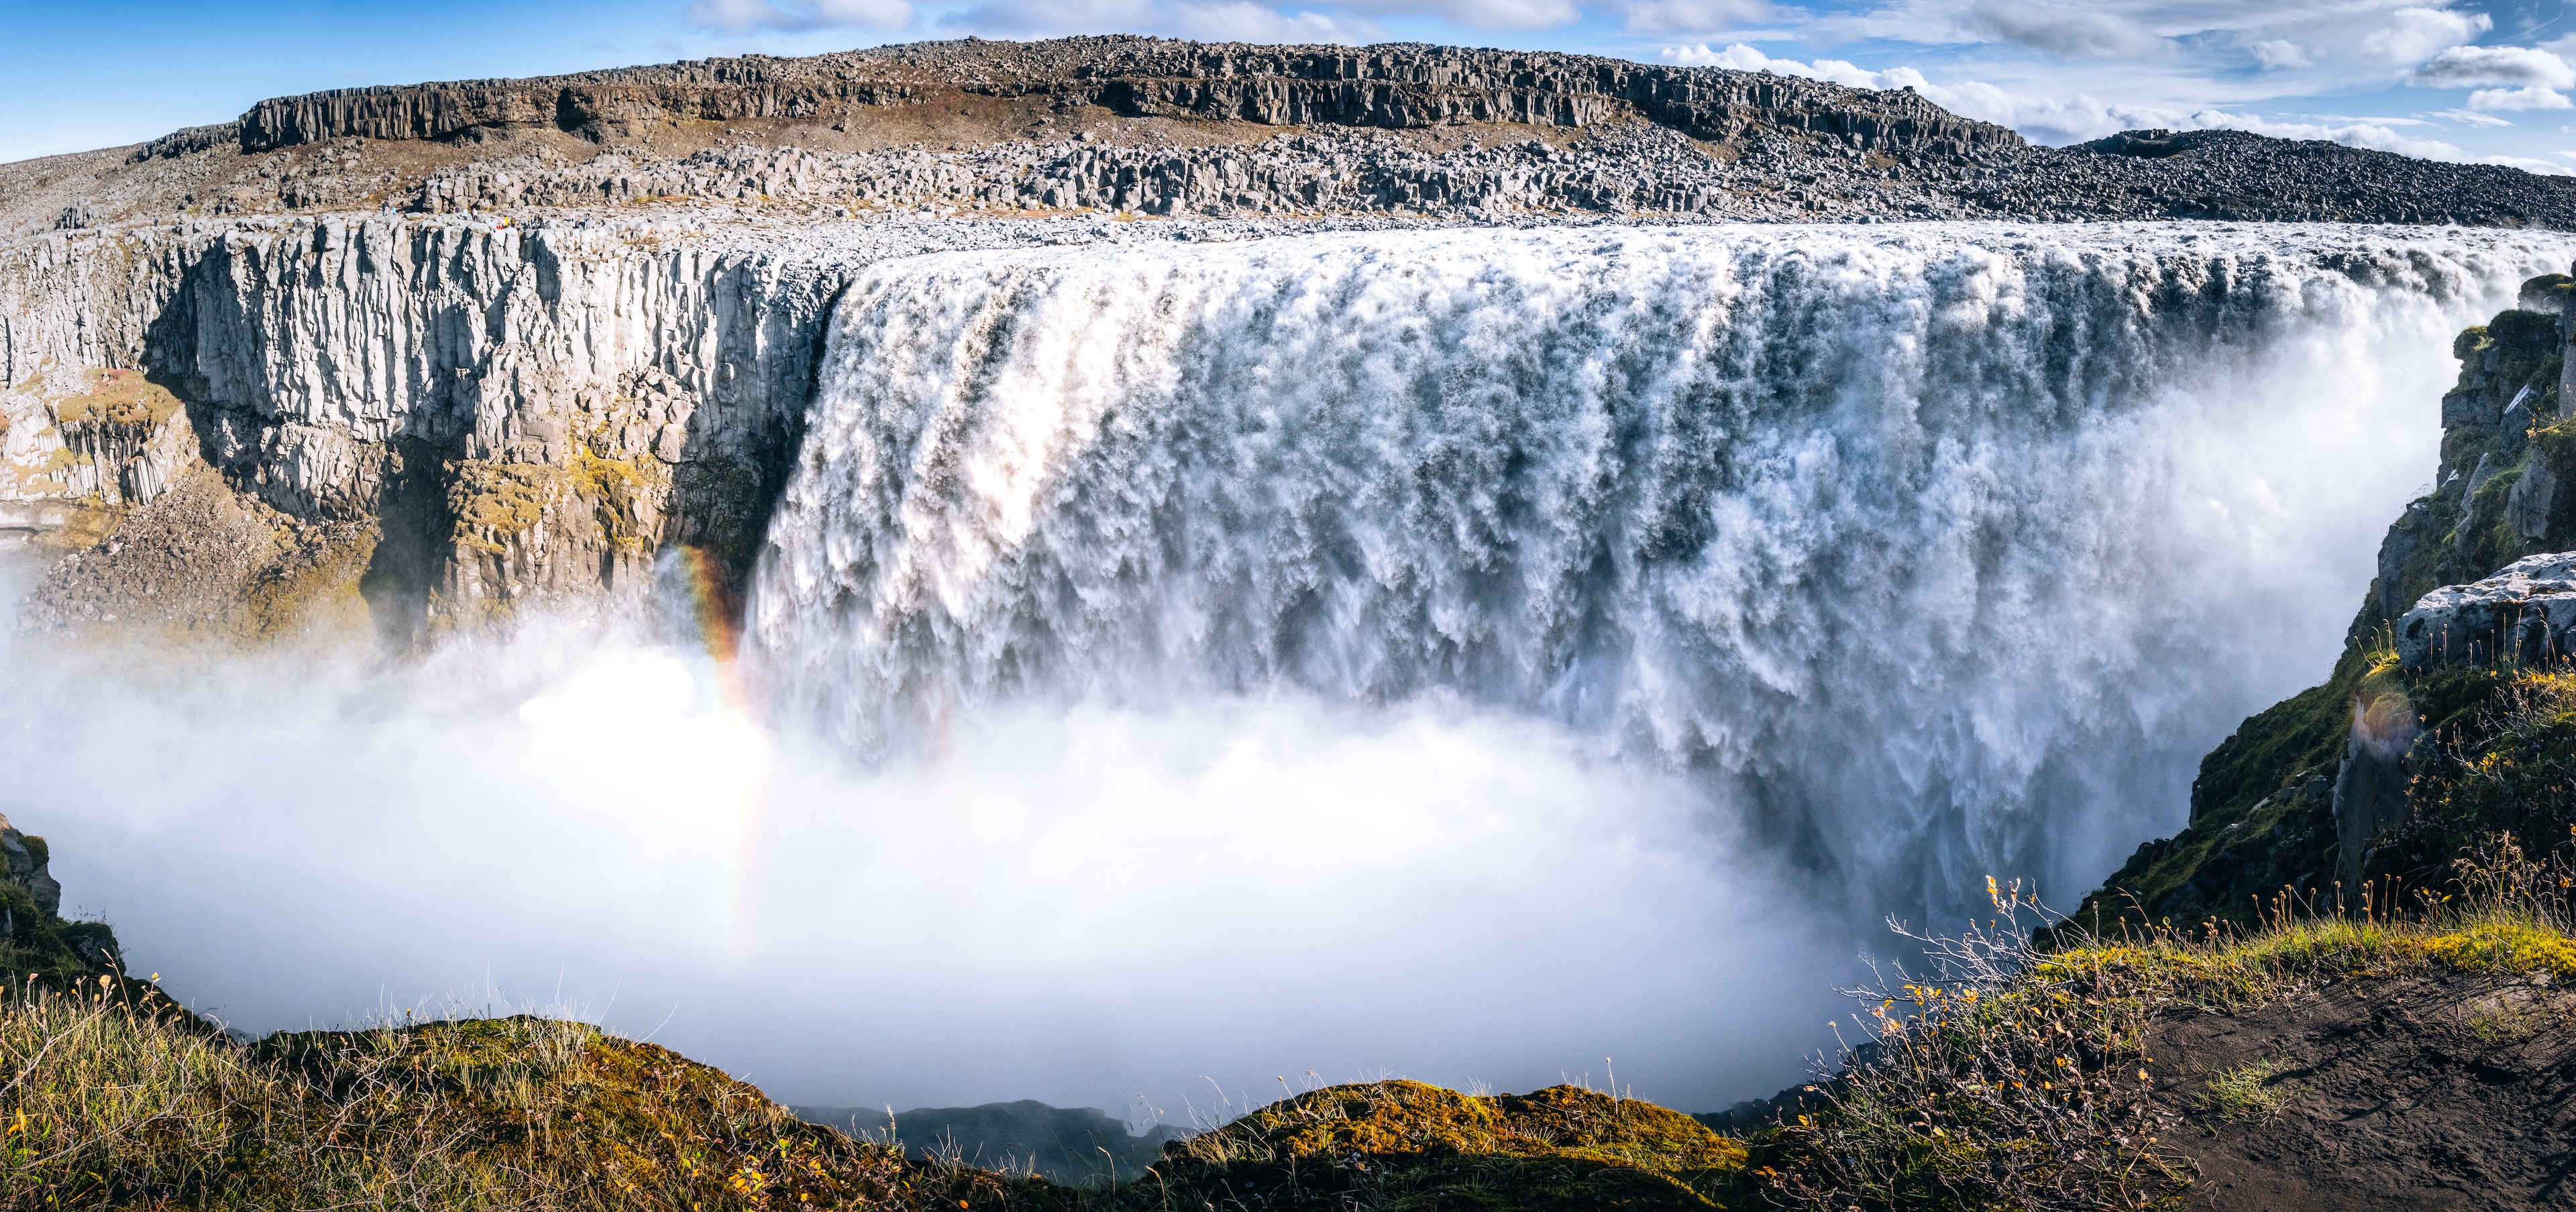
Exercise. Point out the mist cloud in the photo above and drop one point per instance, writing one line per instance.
(1078, 907)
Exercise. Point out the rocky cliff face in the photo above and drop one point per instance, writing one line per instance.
(493, 413)
(1146, 126)
(2355, 779)
(1382, 86)
(35, 941)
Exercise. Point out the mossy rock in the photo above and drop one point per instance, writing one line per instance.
(2524, 342)
(116, 397)
(625, 496)
(509, 1113)
(493, 502)
(2494, 751)
(1406, 1145)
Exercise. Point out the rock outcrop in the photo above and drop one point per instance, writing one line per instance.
(23, 862)
(2478, 573)
(35, 941)
(2523, 615)
(506, 412)
(599, 342)
(1160, 127)
(1395, 86)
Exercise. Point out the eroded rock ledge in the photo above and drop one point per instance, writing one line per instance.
(463, 414)
(1395, 86)
(2523, 615)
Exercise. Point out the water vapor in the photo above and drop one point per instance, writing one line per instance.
(1077, 906)
(1463, 655)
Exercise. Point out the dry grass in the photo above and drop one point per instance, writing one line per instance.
(2016, 1077)
(111, 1104)
(2246, 1092)
(1402, 1145)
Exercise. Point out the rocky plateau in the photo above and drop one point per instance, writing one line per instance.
(407, 355)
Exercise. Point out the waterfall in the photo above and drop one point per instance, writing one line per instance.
(1464, 654)
(1928, 552)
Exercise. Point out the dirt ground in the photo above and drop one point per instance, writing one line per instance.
(2430, 1091)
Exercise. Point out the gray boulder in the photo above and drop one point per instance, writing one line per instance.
(22, 861)
(2522, 615)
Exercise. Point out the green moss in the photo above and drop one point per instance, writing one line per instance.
(1405, 1145)
(2497, 752)
(623, 494)
(2246, 1092)
(2525, 342)
(116, 397)
(2304, 732)
(133, 1109)
(45, 947)
(2498, 544)
(2556, 442)
(494, 501)
(2499, 757)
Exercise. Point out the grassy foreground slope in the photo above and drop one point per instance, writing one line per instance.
(2160, 1069)
(110, 1104)
(2109, 1072)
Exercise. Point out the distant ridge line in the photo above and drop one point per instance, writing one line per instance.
(1392, 85)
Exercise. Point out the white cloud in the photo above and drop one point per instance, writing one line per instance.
(2373, 136)
(2469, 116)
(738, 16)
(1241, 21)
(1678, 17)
(1742, 58)
(2041, 119)
(2413, 35)
(2534, 97)
(2485, 66)
(2083, 30)
(1478, 14)
(2540, 167)
(2277, 53)
(2060, 121)
(1204, 20)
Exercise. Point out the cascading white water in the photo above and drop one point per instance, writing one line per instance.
(1353, 653)
(1930, 552)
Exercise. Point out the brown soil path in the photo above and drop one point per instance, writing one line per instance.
(2433, 1091)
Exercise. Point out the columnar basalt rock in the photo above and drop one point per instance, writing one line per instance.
(1384, 86)
(523, 412)
(602, 343)
(1161, 127)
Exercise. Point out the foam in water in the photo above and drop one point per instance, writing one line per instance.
(1467, 655)
(1929, 554)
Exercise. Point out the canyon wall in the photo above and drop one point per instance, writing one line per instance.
(495, 412)
(1382, 86)
(2310, 792)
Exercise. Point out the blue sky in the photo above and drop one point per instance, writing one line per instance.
(2487, 80)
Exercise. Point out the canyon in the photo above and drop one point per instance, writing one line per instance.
(1528, 499)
